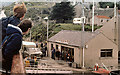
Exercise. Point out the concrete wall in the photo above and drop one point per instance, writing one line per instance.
(78, 56)
(108, 29)
(92, 53)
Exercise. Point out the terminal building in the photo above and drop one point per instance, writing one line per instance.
(87, 48)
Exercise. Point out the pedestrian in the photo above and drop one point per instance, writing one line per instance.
(46, 50)
(19, 11)
(53, 53)
(58, 54)
(13, 41)
(36, 44)
(42, 45)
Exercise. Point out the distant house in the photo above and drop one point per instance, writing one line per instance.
(100, 20)
(106, 12)
(79, 12)
(102, 15)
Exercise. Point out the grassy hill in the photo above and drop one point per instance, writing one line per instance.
(37, 11)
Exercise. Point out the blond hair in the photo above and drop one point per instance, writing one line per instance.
(19, 10)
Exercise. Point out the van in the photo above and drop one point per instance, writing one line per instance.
(78, 20)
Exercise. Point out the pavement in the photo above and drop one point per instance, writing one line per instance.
(51, 66)
(47, 62)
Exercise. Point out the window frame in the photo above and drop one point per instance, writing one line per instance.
(57, 46)
(106, 53)
(51, 46)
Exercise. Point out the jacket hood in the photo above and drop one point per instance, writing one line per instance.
(14, 20)
(13, 29)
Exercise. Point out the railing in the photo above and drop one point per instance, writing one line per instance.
(18, 65)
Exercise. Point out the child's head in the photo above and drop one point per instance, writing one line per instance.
(25, 26)
(19, 10)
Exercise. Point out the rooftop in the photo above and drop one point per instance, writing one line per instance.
(105, 17)
(74, 38)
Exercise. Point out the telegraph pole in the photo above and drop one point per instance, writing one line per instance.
(93, 17)
(83, 16)
(115, 16)
(83, 65)
(47, 28)
(46, 18)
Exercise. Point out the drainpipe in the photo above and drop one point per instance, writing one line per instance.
(83, 66)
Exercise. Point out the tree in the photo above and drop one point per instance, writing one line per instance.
(105, 4)
(62, 11)
(110, 4)
(90, 6)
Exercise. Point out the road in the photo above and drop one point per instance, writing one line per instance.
(48, 65)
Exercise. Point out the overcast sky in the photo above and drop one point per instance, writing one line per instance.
(59, 0)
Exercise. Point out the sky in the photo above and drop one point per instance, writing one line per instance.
(58, 0)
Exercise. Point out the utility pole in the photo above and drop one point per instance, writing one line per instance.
(115, 9)
(30, 36)
(30, 33)
(115, 16)
(93, 17)
(46, 18)
(83, 16)
(82, 35)
(47, 28)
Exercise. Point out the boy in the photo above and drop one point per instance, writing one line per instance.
(14, 41)
(19, 12)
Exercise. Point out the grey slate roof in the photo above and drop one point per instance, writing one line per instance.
(74, 38)
(109, 12)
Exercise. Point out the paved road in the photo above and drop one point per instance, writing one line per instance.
(59, 66)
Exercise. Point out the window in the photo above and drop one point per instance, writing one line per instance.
(107, 20)
(56, 46)
(106, 52)
(101, 20)
(51, 46)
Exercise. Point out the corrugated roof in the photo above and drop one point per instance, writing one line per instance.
(99, 16)
(74, 38)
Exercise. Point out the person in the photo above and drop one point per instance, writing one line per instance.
(42, 45)
(53, 53)
(58, 54)
(46, 50)
(36, 44)
(19, 11)
(14, 41)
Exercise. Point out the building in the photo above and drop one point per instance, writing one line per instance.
(100, 20)
(98, 48)
(102, 15)
(87, 48)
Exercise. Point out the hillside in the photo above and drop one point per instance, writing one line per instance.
(37, 11)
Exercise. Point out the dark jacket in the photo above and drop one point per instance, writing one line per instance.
(14, 42)
(9, 20)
